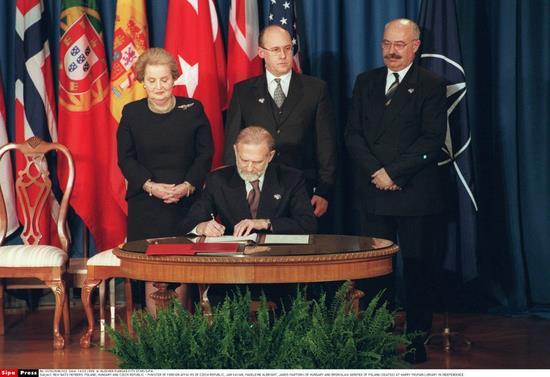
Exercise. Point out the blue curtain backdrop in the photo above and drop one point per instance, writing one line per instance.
(506, 52)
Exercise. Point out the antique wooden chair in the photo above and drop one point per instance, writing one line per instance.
(102, 266)
(32, 259)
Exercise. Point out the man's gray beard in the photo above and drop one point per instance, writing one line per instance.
(249, 177)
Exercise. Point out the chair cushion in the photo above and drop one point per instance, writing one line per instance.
(105, 258)
(32, 256)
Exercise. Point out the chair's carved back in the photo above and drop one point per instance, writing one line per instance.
(34, 190)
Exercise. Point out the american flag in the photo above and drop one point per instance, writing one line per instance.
(283, 13)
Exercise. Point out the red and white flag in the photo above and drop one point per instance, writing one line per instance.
(85, 120)
(35, 108)
(6, 177)
(193, 36)
(243, 61)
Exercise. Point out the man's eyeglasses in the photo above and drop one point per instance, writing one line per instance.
(399, 45)
(277, 50)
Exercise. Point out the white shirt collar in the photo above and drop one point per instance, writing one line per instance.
(249, 187)
(271, 84)
(284, 78)
(390, 78)
(402, 73)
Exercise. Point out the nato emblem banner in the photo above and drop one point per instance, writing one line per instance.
(441, 53)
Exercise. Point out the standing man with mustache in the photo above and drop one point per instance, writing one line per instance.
(394, 135)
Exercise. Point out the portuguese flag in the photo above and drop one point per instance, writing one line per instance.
(84, 123)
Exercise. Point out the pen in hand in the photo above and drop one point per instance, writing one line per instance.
(214, 228)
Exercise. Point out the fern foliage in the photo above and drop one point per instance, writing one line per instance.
(310, 334)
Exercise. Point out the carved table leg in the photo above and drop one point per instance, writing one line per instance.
(163, 295)
(353, 296)
(204, 301)
(58, 288)
(184, 294)
(87, 288)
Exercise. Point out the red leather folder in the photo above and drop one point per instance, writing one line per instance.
(191, 248)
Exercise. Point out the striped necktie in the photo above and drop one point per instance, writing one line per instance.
(253, 198)
(392, 89)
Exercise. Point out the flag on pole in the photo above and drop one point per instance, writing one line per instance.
(243, 61)
(85, 120)
(283, 13)
(131, 39)
(34, 103)
(6, 174)
(441, 54)
(194, 39)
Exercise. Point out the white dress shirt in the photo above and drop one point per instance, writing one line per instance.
(272, 84)
(390, 78)
(249, 187)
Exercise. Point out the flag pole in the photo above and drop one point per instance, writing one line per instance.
(448, 339)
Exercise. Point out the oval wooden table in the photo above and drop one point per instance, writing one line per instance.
(326, 258)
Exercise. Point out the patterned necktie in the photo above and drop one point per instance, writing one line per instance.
(253, 198)
(392, 89)
(279, 96)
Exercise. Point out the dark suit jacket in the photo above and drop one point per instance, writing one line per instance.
(283, 200)
(405, 138)
(304, 132)
(167, 148)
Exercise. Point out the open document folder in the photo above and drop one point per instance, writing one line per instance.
(224, 245)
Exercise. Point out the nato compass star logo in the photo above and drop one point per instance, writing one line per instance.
(456, 93)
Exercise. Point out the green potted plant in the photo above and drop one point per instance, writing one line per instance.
(311, 334)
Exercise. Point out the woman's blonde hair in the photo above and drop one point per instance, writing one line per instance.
(155, 56)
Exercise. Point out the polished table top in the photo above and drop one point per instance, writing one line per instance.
(325, 258)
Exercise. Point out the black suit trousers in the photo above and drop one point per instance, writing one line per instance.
(417, 237)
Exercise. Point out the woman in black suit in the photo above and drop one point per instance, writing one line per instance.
(164, 150)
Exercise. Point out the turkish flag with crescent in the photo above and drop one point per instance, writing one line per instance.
(193, 36)
(243, 61)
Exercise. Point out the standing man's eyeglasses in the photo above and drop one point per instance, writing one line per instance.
(399, 45)
(277, 50)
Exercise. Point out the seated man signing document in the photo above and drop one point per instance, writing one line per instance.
(253, 195)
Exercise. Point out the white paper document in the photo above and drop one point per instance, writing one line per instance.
(252, 237)
(286, 239)
(270, 239)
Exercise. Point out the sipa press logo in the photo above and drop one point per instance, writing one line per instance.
(28, 372)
